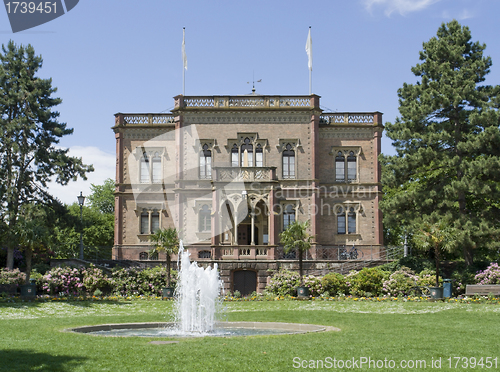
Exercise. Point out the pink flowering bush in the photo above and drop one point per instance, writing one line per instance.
(489, 276)
(137, 282)
(284, 283)
(12, 276)
(401, 283)
(95, 279)
(65, 280)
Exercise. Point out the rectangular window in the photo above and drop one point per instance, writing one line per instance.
(339, 171)
(156, 171)
(288, 216)
(258, 159)
(351, 223)
(155, 222)
(341, 224)
(144, 171)
(234, 158)
(145, 223)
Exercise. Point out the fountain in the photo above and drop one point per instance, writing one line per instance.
(196, 302)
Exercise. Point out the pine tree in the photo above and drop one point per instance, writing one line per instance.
(447, 167)
(29, 132)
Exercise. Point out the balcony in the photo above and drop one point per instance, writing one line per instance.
(244, 174)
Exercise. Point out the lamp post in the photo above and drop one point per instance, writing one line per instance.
(81, 200)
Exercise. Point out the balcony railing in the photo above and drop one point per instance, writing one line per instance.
(245, 101)
(147, 119)
(245, 174)
(347, 118)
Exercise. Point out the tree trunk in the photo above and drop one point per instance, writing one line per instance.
(168, 270)
(10, 257)
(29, 256)
(436, 253)
(300, 268)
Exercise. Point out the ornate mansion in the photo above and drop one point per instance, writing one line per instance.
(232, 172)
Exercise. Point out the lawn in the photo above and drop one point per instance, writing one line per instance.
(31, 337)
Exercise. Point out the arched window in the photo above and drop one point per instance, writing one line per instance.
(259, 156)
(156, 168)
(234, 156)
(205, 162)
(204, 218)
(346, 220)
(144, 168)
(143, 256)
(246, 153)
(288, 216)
(340, 167)
(351, 166)
(288, 162)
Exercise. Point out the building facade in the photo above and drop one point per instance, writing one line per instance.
(232, 172)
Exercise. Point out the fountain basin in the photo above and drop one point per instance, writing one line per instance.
(221, 329)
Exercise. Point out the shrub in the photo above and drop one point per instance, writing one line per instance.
(366, 282)
(137, 282)
(284, 283)
(334, 284)
(95, 279)
(489, 276)
(400, 283)
(12, 277)
(64, 280)
(314, 285)
(427, 278)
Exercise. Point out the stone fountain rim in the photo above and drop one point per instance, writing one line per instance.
(294, 328)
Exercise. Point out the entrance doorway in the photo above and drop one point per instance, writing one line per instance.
(245, 234)
(245, 281)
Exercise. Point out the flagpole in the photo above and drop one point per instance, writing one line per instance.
(309, 58)
(184, 61)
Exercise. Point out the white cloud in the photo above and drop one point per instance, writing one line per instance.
(403, 7)
(104, 167)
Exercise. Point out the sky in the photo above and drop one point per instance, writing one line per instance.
(110, 56)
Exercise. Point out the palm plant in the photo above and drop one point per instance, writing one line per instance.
(166, 240)
(296, 237)
(435, 236)
(31, 234)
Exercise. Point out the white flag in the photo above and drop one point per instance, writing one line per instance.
(309, 50)
(184, 58)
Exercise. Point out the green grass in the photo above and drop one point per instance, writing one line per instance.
(31, 337)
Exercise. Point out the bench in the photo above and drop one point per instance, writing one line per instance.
(482, 289)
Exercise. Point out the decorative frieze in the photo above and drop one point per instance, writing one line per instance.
(349, 133)
(246, 118)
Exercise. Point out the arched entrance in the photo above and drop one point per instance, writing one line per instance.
(245, 281)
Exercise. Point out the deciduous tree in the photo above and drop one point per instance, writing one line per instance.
(30, 131)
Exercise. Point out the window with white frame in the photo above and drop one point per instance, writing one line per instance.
(156, 168)
(347, 219)
(144, 176)
(346, 164)
(288, 215)
(205, 162)
(247, 151)
(149, 222)
(204, 218)
(288, 162)
(150, 170)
